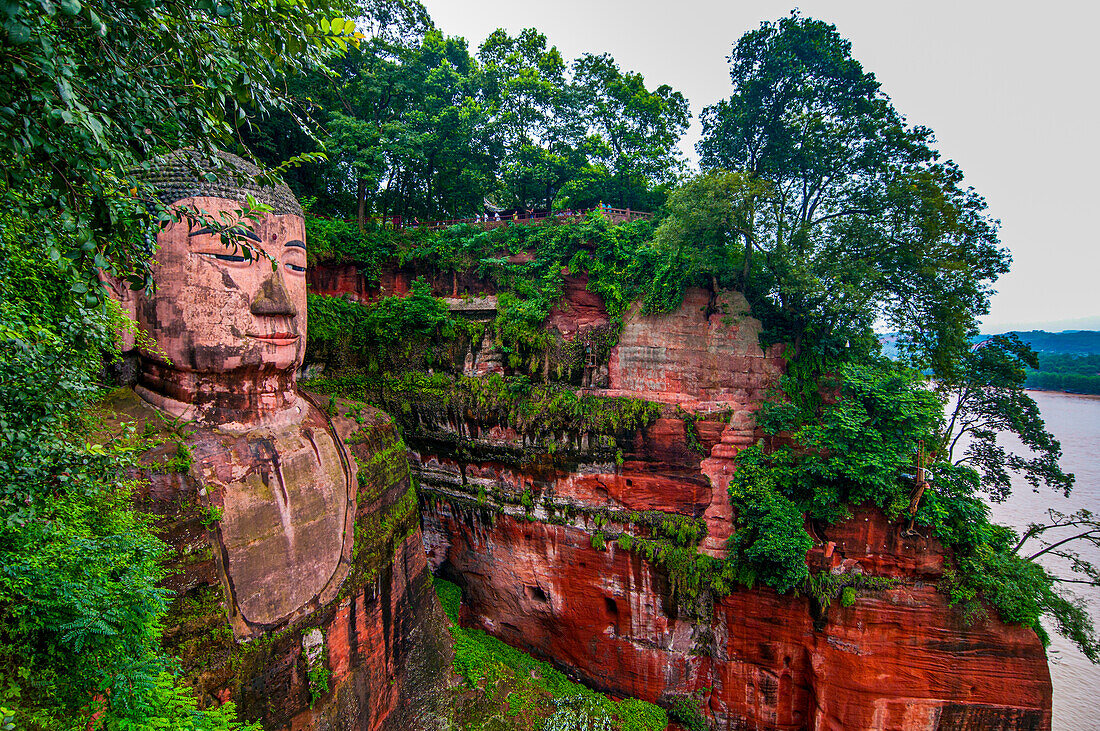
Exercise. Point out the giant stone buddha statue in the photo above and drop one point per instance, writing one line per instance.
(228, 335)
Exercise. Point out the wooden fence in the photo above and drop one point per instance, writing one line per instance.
(615, 215)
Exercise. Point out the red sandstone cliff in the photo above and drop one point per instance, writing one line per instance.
(898, 658)
(515, 524)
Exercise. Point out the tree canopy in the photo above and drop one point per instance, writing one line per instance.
(417, 126)
(837, 216)
(862, 221)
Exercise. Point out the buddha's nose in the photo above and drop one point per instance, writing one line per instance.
(272, 299)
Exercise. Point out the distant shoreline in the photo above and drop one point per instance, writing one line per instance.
(1064, 393)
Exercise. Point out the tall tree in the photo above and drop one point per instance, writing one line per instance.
(855, 222)
(863, 214)
(536, 110)
(985, 396)
(636, 128)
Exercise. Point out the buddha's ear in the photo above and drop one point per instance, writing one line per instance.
(127, 299)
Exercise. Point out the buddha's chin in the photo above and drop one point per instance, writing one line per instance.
(248, 394)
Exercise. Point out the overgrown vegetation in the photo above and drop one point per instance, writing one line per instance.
(80, 592)
(618, 260)
(417, 124)
(540, 411)
(686, 711)
(504, 688)
(863, 448)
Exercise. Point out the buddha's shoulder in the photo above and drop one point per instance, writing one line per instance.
(355, 421)
(121, 409)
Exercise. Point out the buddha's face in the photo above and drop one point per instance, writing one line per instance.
(215, 310)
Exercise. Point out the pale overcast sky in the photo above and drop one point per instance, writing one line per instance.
(1009, 88)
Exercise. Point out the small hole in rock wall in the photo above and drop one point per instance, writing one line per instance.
(536, 593)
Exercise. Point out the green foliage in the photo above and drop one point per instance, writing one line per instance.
(342, 241)
(769, 543)
(416, 126)
(506, 688)
(1069, 363)
(1067, 342)
(82, 570)
(538, 411)
(598, 541)
(854, 450)
(637, 130)
(173, 708)
(842, 239)
(180, 461)
(864, 441)
(318, 678)
(990, 569)
(210, 516)
(826, 587)
(390, 333)
(90, 91)
(450, 596)
(384, 323)
(710, 229)
(686, 711)
(618, 269)
(1069, 382)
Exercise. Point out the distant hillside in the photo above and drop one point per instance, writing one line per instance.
(1068, 361)
(1075, 342)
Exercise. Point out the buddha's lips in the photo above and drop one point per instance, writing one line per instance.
(277, 338)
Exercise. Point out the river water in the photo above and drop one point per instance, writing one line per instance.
(1075, 421)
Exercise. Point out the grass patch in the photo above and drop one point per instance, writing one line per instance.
(505, 688)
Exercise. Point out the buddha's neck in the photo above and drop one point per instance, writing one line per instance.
(232, 401)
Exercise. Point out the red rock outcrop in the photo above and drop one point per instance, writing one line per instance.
(704, 356)
(523, 534)
(579, 309)
(900, 658)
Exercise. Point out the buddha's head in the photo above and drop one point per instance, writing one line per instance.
(229, 329)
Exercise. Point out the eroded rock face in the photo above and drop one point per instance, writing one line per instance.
(705, 356)
(523, 533)
(897, 659)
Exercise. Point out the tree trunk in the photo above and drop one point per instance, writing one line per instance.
(361, 198)
(748, 262)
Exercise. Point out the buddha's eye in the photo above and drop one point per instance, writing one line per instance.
(226, 257)
(294, 256)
